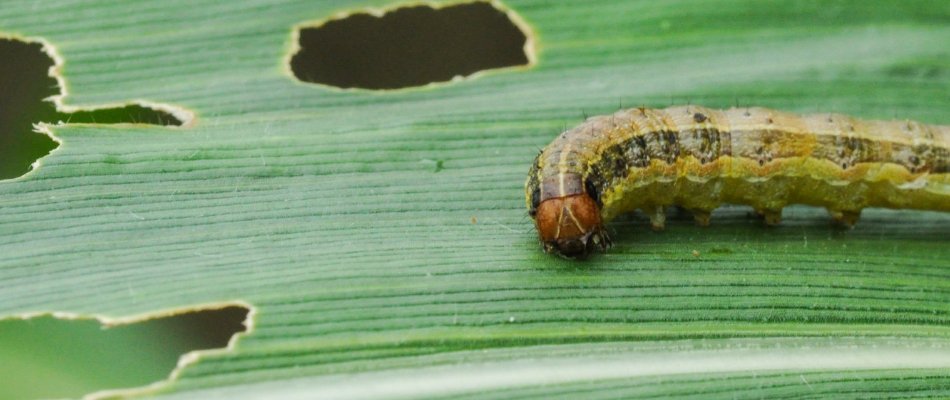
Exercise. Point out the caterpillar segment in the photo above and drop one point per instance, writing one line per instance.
(700, 158)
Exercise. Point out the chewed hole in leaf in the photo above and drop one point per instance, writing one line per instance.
(25, 89)
(46, 357)
(134, 113)
(24, 83)
(410, 46)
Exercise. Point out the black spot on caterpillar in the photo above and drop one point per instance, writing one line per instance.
(700, 158)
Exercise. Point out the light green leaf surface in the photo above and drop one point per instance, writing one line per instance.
(323, 209)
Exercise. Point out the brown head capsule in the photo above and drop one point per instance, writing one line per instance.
(570, 226)
(568, 218)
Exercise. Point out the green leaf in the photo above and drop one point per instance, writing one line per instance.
(382, 237)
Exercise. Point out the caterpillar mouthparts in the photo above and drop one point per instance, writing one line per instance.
(700, 158)
(570, 225)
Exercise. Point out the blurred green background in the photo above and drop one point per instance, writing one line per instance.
(46, 357)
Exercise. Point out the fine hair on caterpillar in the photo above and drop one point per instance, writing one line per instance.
(699, 158)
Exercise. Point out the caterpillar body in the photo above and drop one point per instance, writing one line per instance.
(700, 158)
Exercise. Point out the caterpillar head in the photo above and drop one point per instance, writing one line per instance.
(570, 226)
